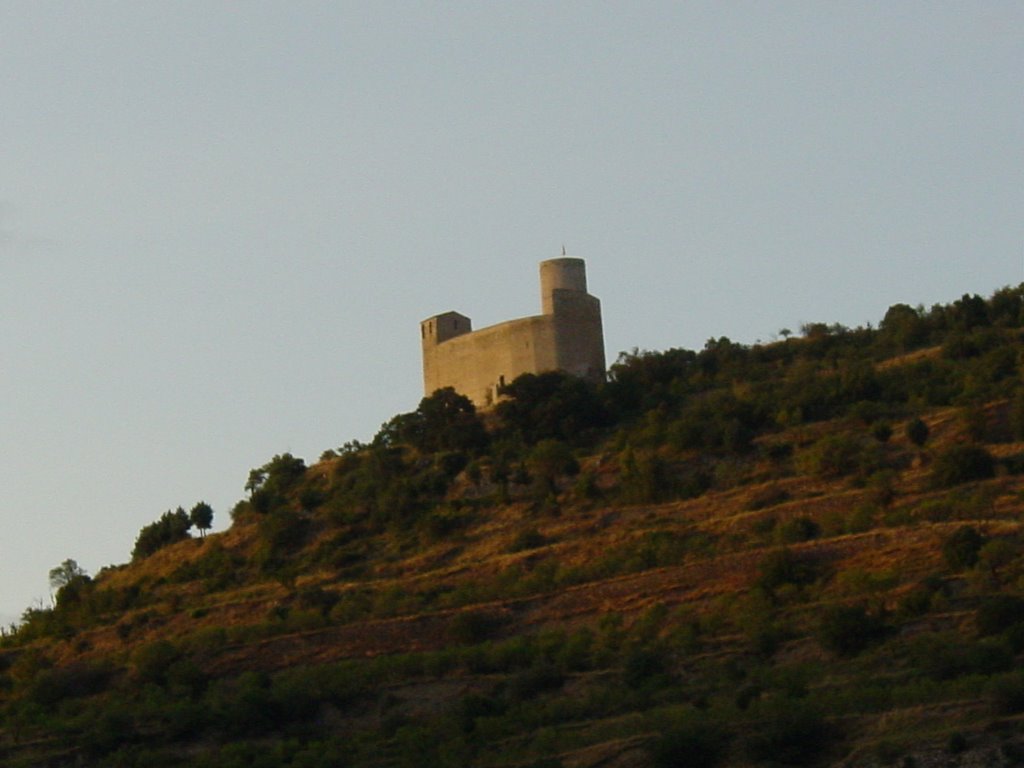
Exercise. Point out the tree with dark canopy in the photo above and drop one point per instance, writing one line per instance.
(201, 516)
(444, 421)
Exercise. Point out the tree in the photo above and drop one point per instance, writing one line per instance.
(444, 421)
(904, 326)
(917, 432)
(169, 529)
(970, 311)
(998, 613)
(549, 460)
(70, 582)
(277, 475)
(201, 516)
(267, 485)
(65, 573)
(962, 464)
(549, 405)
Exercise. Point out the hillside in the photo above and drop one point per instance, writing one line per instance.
(804, 553)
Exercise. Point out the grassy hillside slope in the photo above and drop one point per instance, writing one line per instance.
(803, 553)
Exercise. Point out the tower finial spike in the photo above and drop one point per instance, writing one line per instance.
(563, 249)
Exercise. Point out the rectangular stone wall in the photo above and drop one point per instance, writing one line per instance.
(475, 364)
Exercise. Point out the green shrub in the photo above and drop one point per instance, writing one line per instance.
(946, 656)
(956, 743)
(847, 630)
(243, 706)
(783, 567)
(1016, 420)
(642, 666)
(52, 686)
(881, 431)
(473, 626)
(961, 548)
(998, 613)
(798, 529)
(171, 528)
(645, 477)
(543, 676)
(108, 730)
(917, 432)
(791, 733)
(962, 464)
(153, 661)
(696, 744)
(577, 652)
(839, 455)
(989, 656)
(916, 602)
(316, 599)
(1008, 694)
(441, 522)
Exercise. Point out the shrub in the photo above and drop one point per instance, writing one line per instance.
(444, 521)
(689, 745)
(643, 665)
(172, 527)
(268, 484)
(79, 679)
(471, 627)
(998, 613)
(839, 455)
(917, 432)
(798, 529)
(444, 421)
(989, 656)
(283, 530)
(946, 656)
(549, 405)
(153, 661)
(881, 431)
(243, 706)
(1008, 694)
(916, 602)
(529, 538)
(783, 567)
(847, 630)
(549, 460)
(857, 581)
(1017, 415)
(316, 599)
(645, 477)
(539, 678)
(962, 546)
(962, 464)
(956, 743)
(792, 733)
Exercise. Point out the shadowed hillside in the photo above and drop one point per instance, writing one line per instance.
(804, 553)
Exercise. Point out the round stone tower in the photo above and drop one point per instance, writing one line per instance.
(567, 274)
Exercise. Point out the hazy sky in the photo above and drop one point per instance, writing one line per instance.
(221, 223)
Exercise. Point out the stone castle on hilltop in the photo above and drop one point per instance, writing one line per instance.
(567, 336)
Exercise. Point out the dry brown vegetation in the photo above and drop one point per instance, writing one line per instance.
(742, 570)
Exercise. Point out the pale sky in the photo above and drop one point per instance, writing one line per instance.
(221, 223)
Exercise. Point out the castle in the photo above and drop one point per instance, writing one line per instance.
(567, 337)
